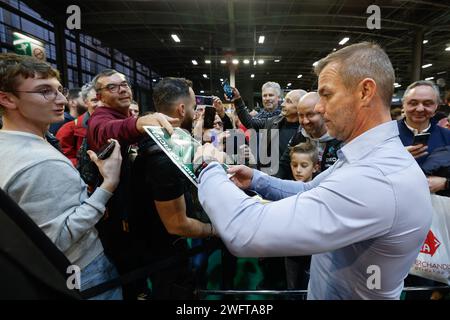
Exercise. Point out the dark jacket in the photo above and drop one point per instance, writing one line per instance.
(436, 161)
(439, 137)
(438, 164)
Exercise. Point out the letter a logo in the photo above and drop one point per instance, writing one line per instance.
(374, 21)
(74, 20)
(374, 281)
(74, 280)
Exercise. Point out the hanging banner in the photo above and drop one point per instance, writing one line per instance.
(27, 46)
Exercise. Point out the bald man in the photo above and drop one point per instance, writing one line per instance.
(313, 129)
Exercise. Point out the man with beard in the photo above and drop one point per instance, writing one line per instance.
(163, 200)
(73, 109)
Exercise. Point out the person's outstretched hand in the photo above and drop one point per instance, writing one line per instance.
(157, 119)
(241, 176)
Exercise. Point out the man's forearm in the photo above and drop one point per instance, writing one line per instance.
(193, 228)
(123, 130)
(244, 116)
(274, 189)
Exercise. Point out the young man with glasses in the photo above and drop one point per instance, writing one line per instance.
(40, 179)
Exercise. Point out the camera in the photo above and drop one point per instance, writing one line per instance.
(204, 100)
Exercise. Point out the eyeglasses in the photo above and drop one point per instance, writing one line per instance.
(114, 87)
(48, 94)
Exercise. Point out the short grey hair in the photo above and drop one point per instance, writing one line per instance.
(103, 74)
(273, 85)
(363, 60)
(423, 83)
(85, 89)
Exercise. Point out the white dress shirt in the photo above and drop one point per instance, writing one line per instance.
(370, 211)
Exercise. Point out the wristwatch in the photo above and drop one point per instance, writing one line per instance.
(199, 167)
(447, 184)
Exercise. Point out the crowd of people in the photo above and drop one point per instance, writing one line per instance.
(337, 168)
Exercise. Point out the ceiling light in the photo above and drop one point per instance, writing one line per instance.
(246, 61)
(289, 84)
(442, 72)
(261, 39)
(429, 78)
(447, 49)
(194, 62)
(260, 61)
(276, 60)
(425, 41)
(221, 80)
(175, 38)
(205, 76)
(223, 61)
(235, 61)
(202, 91)
(254, 62)
(208, 61)
(299, 76)
(344, 41)
(397, 85)
(252, 75)
(427, 65)
(154, 80)
(334, 49)
(315, 63)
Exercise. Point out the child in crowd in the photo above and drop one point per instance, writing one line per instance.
(304, 161)
(304, 164)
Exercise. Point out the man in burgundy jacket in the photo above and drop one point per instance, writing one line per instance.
(113, 120)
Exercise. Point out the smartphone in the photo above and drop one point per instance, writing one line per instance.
(227, 90)
(421, 138)
(203, 101)
(210, 115)
(106, 150)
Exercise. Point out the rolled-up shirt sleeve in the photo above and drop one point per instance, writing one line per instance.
(327, 216)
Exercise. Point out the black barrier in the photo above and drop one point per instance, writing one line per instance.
(143, 272)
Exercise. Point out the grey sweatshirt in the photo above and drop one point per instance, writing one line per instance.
(50, 190)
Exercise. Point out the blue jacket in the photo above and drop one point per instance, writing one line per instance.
(439, 137)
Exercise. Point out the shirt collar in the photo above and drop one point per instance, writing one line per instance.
(369, 140)
(414, 130)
